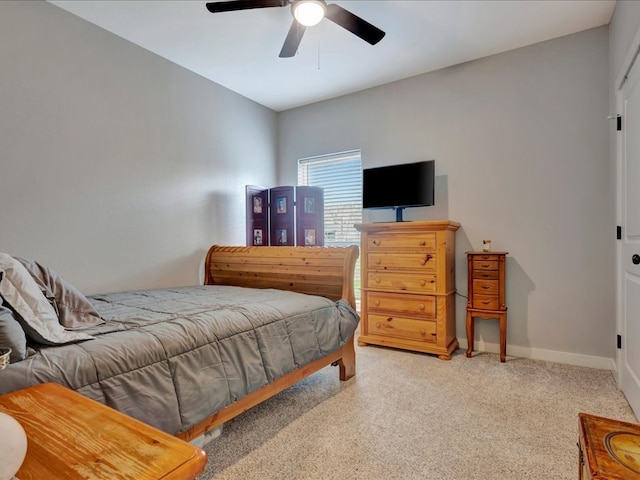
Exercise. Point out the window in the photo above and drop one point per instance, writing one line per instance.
(340, 175)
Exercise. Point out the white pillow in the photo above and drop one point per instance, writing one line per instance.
(36, 314)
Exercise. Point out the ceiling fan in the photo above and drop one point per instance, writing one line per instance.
(306, 13)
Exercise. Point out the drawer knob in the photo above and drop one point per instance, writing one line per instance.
(485, 265)
(377, 279)
(377, 303)
(421, 306)
(425, 259)
(376, 242)
(422, 283)
(423, 243)
(484, 257)
(378, 261)
(378, 325)
(486, 287)
(486, 302)
(422, 332)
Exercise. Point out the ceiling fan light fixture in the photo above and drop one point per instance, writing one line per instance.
(309, 12)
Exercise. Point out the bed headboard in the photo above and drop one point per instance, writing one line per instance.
(324, 271)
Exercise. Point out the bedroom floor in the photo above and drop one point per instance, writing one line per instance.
(411, 416)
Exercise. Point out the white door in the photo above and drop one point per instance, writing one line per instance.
(629, 252)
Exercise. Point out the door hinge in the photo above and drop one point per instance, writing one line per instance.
(619, 341)
(618, 119)
(618, 232)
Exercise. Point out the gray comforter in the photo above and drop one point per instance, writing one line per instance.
(171, 357)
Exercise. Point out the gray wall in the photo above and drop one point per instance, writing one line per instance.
(521, 147)
(623, 28)
(118, 168)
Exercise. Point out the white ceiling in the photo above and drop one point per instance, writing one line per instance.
(239, 50)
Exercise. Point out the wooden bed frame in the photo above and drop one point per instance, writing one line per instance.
(324, 271)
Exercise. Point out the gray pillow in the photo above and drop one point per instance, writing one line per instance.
(73, 309)
(12, 335)
(34, 312)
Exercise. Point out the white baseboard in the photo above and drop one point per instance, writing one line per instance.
(591, 361)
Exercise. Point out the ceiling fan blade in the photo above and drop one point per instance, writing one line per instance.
(233, 5)
(356, 25)
(292, 41)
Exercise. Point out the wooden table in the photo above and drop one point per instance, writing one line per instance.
(72, 437)
(609, 449)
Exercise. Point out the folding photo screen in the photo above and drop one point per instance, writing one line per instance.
(285, 216)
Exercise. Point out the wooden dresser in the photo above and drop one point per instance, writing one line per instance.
(487, 297)
(408, 286)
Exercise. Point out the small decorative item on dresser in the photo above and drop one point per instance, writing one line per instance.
(14, 446)
(12, 436)
(5, 357)
(486, 245)
(487, 298)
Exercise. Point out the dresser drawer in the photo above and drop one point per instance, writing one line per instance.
(400, 282)
(421, 241)
(401, 261)
(485, 265)
(401, 327)
(485, 287)
(487, 302)
(424, 306)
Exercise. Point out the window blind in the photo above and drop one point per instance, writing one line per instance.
(340, 175)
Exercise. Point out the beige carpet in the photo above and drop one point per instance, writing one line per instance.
(412, 416)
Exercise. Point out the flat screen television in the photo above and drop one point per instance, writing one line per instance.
(399, 186)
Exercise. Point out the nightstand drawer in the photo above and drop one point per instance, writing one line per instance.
(402, 282)
(487, 274)
(486, 256)
(423, 306)
(400, 327)
(485, 265)
(487, 302)
(402, 261)
(485, 287)
(423, 241)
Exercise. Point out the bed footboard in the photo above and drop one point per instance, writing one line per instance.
(324, 271)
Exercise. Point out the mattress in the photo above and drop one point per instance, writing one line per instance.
(171, 357)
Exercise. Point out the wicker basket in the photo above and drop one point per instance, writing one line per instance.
(5, 354)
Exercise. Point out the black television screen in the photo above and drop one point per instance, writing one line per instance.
(399, 186)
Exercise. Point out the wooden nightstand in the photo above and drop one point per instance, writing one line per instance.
(72, 437)
(608, 449)
(487, 298)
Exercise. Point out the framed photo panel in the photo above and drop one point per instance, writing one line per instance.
(257, 201)
(282, 217)
(310, 216)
